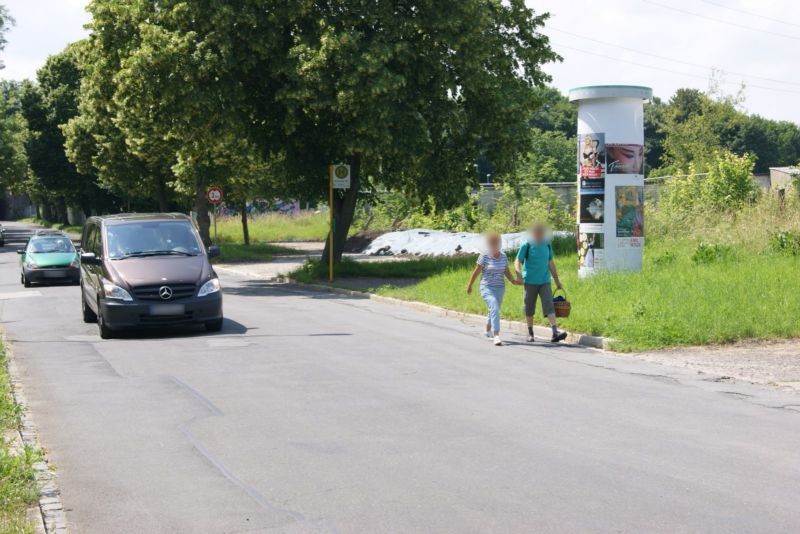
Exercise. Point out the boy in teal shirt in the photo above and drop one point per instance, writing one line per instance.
(534, 266)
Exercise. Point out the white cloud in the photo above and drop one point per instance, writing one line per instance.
(648, 27)
(45, 27)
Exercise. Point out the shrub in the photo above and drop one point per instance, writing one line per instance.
(730, 183)
(785, 243)
(705, 253)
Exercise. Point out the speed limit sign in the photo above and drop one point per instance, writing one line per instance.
(214, 195)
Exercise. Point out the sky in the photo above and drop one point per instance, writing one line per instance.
(663, 44)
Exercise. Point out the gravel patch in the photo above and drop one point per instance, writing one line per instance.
(775, 364)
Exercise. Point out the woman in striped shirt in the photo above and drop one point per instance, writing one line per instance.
(493, 267)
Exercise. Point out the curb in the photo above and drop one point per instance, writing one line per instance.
(595, 342)
(52, 516)
(585, 340)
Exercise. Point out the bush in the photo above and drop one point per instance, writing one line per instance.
(728, 186)
(785, 243)
(515, 211)
(705, 254)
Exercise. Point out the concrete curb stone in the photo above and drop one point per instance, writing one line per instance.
(595, 342)
(51, 510)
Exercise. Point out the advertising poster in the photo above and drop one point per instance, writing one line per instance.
(630, 211)
(591, 159)
(592, 206)
(590, 251)
(624, 159)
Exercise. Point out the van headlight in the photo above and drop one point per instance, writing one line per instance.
(115, 292)
(212, 286)
(76, 262)
(29, 263)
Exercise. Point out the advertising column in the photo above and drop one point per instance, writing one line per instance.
(610, 169)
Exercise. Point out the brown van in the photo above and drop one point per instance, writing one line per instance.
(147, 270)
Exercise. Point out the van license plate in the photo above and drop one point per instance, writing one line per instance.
(167, 309)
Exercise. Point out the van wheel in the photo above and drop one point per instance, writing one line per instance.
(88, 315)
(105, 331)
(214, 326)
(25, 281)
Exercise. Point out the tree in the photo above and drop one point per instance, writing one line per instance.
(13, 133)
(409, 94)
(6, 21)
(551, 158)
(47, 107)
(555, 113)
(654, 133)
(94, 141)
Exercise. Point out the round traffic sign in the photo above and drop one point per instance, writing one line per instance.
(214, 195)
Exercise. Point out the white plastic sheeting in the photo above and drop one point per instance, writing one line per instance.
(422, 242)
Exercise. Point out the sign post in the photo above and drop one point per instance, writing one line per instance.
(214, 196)
(339, 178)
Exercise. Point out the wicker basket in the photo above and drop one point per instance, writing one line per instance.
(562, 307)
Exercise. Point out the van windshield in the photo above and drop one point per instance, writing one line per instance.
(152, 238)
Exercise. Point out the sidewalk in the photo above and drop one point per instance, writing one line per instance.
(283, 264)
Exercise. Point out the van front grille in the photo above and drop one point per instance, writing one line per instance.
(179, 291)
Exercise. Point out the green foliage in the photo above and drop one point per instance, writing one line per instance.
(275, 227)
(6, 21)
(18, 488)
(785, 242)
(706, 253)
(728, 186)
(13, 134)
(730, 183)
(551, 158)
(514, 211)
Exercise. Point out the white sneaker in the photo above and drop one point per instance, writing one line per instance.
(488, 334)
(497, 341)
(531, 339)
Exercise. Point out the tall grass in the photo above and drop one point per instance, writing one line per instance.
(18, 488)
(275, 227)
(707, 278)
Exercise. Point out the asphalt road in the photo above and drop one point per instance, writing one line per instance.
(317, 413)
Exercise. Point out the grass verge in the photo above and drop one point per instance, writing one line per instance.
(18, 490)
(685, 294)
(275, 227)
(260, 252)
(70, 229)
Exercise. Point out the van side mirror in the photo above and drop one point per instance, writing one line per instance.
(213, 251)
(20, 251)
(89, 258)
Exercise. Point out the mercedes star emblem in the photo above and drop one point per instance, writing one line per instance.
(165, 292)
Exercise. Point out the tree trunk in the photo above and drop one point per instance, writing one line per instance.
(245, 228)
(161, 194)
(344, 209)
(201, 207)
(63, 214)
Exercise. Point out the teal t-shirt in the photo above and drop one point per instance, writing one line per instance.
(535, 259)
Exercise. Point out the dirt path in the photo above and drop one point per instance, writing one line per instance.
(775, 364)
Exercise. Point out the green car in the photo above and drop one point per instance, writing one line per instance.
(49, 257)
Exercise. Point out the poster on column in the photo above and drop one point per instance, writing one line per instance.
(592, 207)
(630, 215)
(592, 161)
(590, 252)
(624, 159)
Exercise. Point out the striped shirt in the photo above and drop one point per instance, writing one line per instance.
(493, 269)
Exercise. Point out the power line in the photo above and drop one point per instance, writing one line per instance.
(688, 63)
(679, 73)
(750, 13)
(720, 21)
